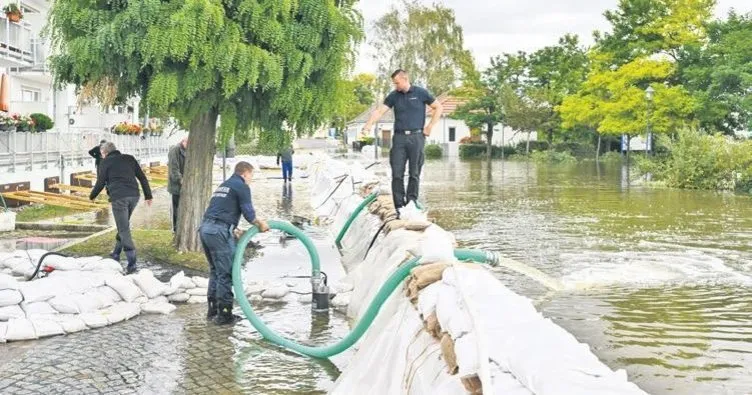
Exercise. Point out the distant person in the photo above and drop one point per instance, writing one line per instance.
(217, 232)
(176, 169)
(410, 131)
(97, 154)
(119, 173)
(286, 156)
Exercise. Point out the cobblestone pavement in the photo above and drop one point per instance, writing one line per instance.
(179, 353)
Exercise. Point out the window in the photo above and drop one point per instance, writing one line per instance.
(452, 134)
(30, 94)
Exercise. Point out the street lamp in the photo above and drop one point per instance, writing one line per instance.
(649, 93)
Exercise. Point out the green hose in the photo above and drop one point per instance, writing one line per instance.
(356, 333)
(370, 198)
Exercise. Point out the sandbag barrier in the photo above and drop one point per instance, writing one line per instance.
(81, 293)
(458, 331)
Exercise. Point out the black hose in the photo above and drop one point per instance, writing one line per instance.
(332, 193)
(372, 165)
(375, 236)
(39, 264)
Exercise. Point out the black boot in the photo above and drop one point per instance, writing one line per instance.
(115, 255)
(131, 268)
(225, 316)
(212, 312)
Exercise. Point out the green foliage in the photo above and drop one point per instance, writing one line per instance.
(367, 140)
(475, 151)
(611, 157)
(258, 63)
(576, 149)
(424, 40)
(534, 146)
(700, 161)
(552, 157)
(353, 97)
(433, 151)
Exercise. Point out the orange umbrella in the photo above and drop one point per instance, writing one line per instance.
(4, 93)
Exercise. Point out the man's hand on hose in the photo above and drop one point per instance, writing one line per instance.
(262, 225)
(238, 233)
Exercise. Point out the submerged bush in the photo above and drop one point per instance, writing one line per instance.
(433, 151)
(552, 157)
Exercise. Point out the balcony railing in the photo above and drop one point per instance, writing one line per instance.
(16, 41)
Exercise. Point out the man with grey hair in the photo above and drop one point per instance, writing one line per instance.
(119, 173)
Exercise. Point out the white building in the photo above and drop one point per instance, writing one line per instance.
(448, 133)
(29, 157)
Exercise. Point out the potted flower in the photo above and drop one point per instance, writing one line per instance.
(25, 124)
(42, 122)
(13, 12)
(8, 121)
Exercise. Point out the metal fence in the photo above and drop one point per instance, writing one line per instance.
(21, 151)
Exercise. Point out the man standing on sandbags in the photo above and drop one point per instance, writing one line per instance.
(119, 173)
(410, 131)
(218, 231)
(175, 171)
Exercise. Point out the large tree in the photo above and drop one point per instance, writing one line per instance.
(265, 64)
(353, 97)
(424, 40)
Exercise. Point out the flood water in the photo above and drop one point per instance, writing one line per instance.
(658, 280)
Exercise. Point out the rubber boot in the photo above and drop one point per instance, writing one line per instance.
(115, 255)
(131, 268)
(224, 315)
(212, 312)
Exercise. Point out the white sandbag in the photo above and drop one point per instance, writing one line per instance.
(20, 329)
(87, 303)
(435, 246)
(305, 299)
(62, 263)
(130, 310)
(124, 287)
(428, 297)
(65, 304)
(8, 282)
(113, 315)
(10, 297)
(37, 308)
(42, 289)
(185, 282)
(256, 289)
(197, 291)
(149, 284)
(46, 328)
(158, 308)
(453, 317)
(76, 282)
(10, 312)
(109, 295)
(196, 299)
(341, 301)
(94, 320)
(275, 292)
(22, 266)
(141, 299)
(342, 287)
(466, 349)
(3, 330)
(159, 299)
(103, 265)
(71, 323)
(181, 297)
(200, 281)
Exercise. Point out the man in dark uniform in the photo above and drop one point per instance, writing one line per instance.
(118, 172)
(217, 231)
(410, 131)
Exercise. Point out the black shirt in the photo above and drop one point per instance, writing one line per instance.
(409, 107)
(231, 198)
(119, 173)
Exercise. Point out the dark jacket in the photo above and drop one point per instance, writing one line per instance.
(231, 199)
(97, 155)
(176, 169)
(119, 173)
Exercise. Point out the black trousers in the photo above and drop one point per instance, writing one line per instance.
(175, 202)
(407, 150)
(122, 209)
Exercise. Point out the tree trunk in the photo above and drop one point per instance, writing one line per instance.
(197, 180)
(527, 146)
(550, 137)
(629, 146)
(489, 143)
(598, 148)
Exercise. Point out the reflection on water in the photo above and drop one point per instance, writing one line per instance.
(659, 279)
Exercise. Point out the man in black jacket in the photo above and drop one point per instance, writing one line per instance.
(96, 153)
(119, 173)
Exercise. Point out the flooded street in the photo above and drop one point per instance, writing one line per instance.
(658, 280)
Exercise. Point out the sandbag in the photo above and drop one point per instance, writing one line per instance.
(37, 308)
(432, 326)
(428, 298)
(416, 225)
(159, 299)
(374, 207)
(10, 297)
(124, 287)
(71, 323)
(46, 328)
(20, 329)
(394, 225)
(3, 330)
(65, 304)
(181, 297)
(62, 263)
(200, 281)
(8, 282)
(412, 291)
(472, 384)
(194, 299)
(149, 284)
(182, 281)
(198, 291)
(106, 264)
(11, 312)
(447, 352)
(466, 349)
(94, 320)
(275, 293)
(158, 308)
(425, 275)
(88, 302)
(109, 295)
(341, 301)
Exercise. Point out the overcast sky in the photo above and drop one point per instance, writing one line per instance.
(492, 27)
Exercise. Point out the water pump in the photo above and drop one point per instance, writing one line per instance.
(320, 289)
